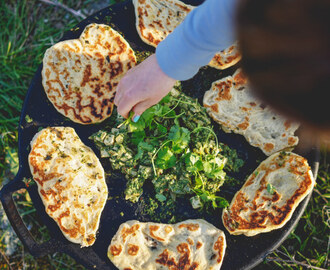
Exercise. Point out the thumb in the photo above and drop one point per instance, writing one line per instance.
(139, 109)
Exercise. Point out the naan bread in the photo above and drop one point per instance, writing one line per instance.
(226, 58)
(155, 19)
(231, 103)
(192, 244)
(270, 195)
(80, 76)
(70, 181)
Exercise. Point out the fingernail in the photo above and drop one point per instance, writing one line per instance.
(136, 118)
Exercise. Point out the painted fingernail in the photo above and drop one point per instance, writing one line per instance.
(136, 118)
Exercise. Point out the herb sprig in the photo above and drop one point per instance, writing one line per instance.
(174, 146)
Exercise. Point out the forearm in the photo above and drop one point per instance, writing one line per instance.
(206, 30)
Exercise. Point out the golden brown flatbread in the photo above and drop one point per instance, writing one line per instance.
(232, 104)
(192, 244)
(80, 76)
(155, 19)
(270, 195)
(71, 182)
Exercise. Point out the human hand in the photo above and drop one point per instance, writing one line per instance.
(142, 87)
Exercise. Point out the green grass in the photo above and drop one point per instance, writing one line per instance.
(28, 28)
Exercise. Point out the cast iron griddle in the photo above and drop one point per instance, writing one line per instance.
(241, 253)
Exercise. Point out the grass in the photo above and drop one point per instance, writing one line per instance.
(28, 28)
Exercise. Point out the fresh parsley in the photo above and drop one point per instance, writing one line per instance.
(173, 146)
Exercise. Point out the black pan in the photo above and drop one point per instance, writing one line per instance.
(242, 252)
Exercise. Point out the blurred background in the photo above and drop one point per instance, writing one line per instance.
(28, 28)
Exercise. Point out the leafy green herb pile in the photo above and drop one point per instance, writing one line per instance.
(174, 146)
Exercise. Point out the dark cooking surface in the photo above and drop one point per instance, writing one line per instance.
(241, 253)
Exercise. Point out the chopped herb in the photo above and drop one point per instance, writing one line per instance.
(160, 197)
(48, 157)
(63, 155)
(28, 119)
(271, 189)
(141, 56)
(174, 147)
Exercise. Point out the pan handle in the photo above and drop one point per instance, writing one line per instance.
(36, 249)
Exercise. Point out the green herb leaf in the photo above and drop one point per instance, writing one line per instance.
(165, 158)
(180, 137)
(138, 137)
(142, 147)
(221, 202)
(148, 115)
(162, 130)
(208, 167)
(198, 183)
(160, 197)
(216, 201)
(166, 110)
(193, 162)
(146, 146)
(165, 99)
(138, 126)
(28, 119)
(271, 189)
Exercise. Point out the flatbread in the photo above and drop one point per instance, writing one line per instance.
(270, 195)
(227, 57)
(192, 244)
(155, 19)
(80, 76)
(71, 182)
(232, 104)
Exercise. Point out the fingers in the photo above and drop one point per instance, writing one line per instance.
(142, 87)
(124, 100)
(119, 92)
(123, 85)
(140, 108)
(125, 104)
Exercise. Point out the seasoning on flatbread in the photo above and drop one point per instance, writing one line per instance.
(71, 182)
(80, 76)
(155, 19)
(192, 244)
(270, 195)
(231, 103)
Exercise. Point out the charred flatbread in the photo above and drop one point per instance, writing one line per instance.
(227, 57)
(80, 76)
(192, 244)
(231, 103)
(71, 182)
(270, 195)
(155, 19)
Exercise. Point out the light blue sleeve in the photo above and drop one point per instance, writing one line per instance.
(206, 30)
